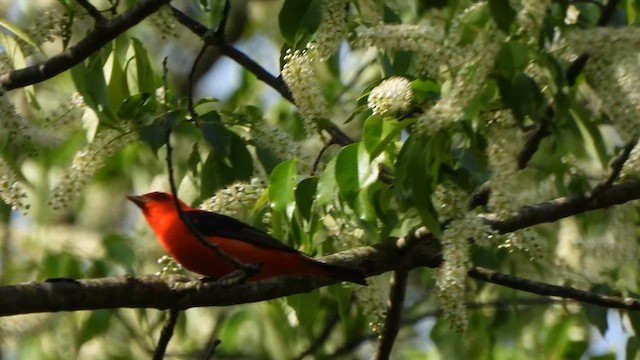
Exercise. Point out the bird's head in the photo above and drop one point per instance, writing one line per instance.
(156, 202)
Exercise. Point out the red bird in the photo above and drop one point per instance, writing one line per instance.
(237, 239)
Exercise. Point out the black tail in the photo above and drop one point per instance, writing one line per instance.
(345, 273)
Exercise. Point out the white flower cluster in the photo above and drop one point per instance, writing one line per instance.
(87, 162)
(451, 275)
(502, 149)
(11, 190)
(236, 199)
(426, 41)
(464, 226)
(372, 297)
(526, 240)
(391, 96)
(333, 28)
(299, 75)
(471, 66)
(530, 17)
(277, 140)
(169, 265)
(65, 115)
(49, 26)
(164, 21)
(15, 127)
(613, 71)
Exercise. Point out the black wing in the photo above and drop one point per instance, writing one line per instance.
(212, 224)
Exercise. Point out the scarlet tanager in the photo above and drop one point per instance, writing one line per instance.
(235, 238)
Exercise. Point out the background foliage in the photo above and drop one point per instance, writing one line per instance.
(330, 124)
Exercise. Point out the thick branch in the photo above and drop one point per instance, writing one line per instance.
(103, 33)
(173, 292)
(416, 249)
(553, 210)
(565, 292)
(394, 315)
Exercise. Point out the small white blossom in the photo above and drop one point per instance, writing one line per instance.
(333, 28)
(12, 191)
(391, 96)
(300, 77)
(236, 199)
(613, 71)
(86, 163)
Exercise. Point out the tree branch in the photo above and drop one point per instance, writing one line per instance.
(417, 249)
(616, 168)
(553, 210)
(166, 334)
(566, 292)
(177, 292)
(93, 12)
(96, 39)
(394, 314)
(218, 40)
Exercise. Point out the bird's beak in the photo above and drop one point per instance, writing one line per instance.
(139, 200)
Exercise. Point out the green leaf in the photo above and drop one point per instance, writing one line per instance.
(346, 172)
(502, 13)
(391, 136)
(632, 348)
(282, 184)
(372, 132)
(118, 87)
(597, 316)
(134, 106)
(154, 135)
(98, 323)
(62, 265)
(512, 58)
(353, 172)
(327, 184)
(91, 84)
(19, 33)
(147, 82)
(306, 306)
(216, 135)
(298, 18)
(219, 171)
(305, 193)
(118, 249)
(416, 169)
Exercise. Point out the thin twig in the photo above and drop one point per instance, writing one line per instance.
(314, 169)
(210, 351)
(227, 50)
(94, 41)
(92, 11)
(192, 75)
(166, 334)
(221, 31)
(276, 83)
(394, 315)
(616, 168)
